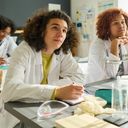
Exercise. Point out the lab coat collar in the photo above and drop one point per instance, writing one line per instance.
(54, 62)
(39, 57)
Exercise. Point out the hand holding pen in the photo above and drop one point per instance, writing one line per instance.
(68, 92)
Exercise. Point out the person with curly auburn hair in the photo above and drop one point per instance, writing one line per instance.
(107, 52)
(7, 44)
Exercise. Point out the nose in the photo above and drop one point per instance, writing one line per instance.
(60, 32)
(4, 34)
(121, 25)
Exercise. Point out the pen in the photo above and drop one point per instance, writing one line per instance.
(86, 91)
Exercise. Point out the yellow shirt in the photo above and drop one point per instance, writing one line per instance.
(46, 59)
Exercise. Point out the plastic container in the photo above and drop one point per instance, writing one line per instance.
(3, 71)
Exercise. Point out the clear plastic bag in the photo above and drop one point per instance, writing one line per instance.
(51, 108)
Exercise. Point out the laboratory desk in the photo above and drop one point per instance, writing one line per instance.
(27, 112)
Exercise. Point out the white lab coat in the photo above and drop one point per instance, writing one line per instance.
(7, 46)
(102, 63)
(25, 74)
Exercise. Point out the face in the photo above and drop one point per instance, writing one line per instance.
(5, 32)
(118, 27)
(55, 34)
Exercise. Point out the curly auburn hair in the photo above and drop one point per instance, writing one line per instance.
(104, 20)
(34, 32)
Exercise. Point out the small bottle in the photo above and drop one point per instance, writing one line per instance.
(3, 71)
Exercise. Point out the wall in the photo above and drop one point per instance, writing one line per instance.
(20, 10)
(123, 4)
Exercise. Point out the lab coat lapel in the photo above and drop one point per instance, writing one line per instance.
(38, 62)
(38, 58)
(54, 63)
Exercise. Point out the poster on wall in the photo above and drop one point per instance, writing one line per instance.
(54, 7)
(85, 17)
(105, 4)
(84, 21)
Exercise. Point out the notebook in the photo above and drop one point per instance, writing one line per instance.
(82, 121)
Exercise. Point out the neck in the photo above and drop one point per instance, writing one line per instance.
(112, 38)
(47, 51)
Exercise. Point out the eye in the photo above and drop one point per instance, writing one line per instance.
(115, 23)
(65, 30)
(123, 22)
(54, 27)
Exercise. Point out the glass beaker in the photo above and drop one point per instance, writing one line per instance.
(120, 97)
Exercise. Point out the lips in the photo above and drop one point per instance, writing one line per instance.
(57, 40)
(121, 29)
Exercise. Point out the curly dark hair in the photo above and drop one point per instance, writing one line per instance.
(6, 22)
(104, 20)
(37, 25)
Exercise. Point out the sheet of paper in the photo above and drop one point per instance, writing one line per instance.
(75, 101)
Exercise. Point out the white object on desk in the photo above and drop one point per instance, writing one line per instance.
(83, 63)
(75, 101)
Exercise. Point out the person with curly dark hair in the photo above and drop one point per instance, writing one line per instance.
(106, 54)
(45, 58)
(7, 44)
(42, 66)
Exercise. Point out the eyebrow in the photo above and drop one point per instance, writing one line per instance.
(58, 25)
(119, 20)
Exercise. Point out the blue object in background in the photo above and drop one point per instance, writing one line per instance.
(106, 94)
